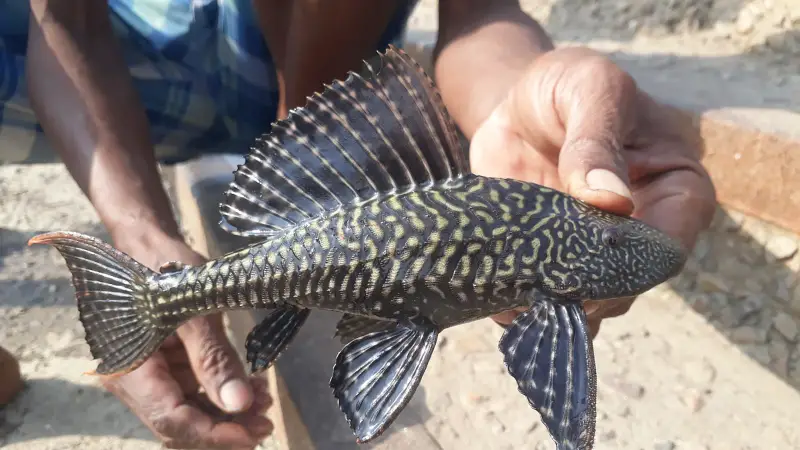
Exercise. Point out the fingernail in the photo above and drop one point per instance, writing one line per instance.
(606, 180)
(235, 395)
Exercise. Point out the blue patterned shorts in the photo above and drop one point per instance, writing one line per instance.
(201, 68)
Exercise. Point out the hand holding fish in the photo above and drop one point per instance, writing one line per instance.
(577, 123)
(164, 391)
(402, 239)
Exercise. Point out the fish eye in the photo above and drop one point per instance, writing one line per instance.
(613, 237)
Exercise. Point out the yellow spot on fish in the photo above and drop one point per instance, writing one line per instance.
(441, 222)
(375, 229)
(324, 242)
(499, 230)
(395, 204)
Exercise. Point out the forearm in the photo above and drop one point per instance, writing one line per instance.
(84, 98)
(483, 49)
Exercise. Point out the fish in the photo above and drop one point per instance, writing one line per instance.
(362, 202)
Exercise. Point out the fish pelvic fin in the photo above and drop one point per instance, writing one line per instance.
(382, 130)
(112, 295)
(549, 353)
(267, 340)
(351, 326)
(376, 375)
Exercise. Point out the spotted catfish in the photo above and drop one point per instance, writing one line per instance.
(362, 202)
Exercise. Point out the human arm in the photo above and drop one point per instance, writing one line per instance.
(569, 119)
(85, 100)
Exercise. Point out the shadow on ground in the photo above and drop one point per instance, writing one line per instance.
(739, 279)
(81, 410)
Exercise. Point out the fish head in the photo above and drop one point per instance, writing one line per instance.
(608, 256)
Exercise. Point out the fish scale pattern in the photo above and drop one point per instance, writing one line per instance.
(449, 252)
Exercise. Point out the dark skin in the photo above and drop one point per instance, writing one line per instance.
(566, 118)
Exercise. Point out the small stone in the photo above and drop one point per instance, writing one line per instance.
(758, 352)
(693, 400)
(665, 445)
(796, 299)
(782, 291)
(779, 351)
(699, 372)
(781, 248)
(608, 435)
(707, 282)
(747, 307)
(786, 325)
(632, 390)
(732, 221)
(749, 335)
(701, 248)
(794, 365)
(745, 23)
(473, 399)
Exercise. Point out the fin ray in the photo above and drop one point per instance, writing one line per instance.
(115, 317)
(267, 340)
(380, 131)
(376, 375)
(351, 326)
(549, 352)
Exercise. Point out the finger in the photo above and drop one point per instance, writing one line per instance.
(679, 201)
(191, 428)
(505, 318)
(261, 398)
(594, 102)
(216, 364)
(597, 103)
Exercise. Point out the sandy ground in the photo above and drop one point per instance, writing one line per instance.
(710, 361)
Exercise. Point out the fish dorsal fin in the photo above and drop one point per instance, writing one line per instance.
(383, 131)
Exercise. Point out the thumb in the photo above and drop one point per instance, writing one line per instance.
(216, 364)
(596, 101)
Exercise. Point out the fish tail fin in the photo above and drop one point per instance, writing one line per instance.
(111, 292)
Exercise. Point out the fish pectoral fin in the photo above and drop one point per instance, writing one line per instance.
(351, 326)
(267, 340)
(549, 353)
(376, 375)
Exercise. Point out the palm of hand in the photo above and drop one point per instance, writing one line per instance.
(165, 393)
(575, 112)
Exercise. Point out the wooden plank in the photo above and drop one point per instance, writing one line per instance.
(196, 185)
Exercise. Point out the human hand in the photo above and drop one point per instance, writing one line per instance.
(193, 392)
(577, 123)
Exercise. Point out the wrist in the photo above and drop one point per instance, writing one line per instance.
(153, 245)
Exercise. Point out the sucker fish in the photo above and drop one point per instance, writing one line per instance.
(362, 202)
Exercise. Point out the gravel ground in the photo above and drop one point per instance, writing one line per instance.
(707, 374)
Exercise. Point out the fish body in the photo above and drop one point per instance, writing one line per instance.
(363, 204)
